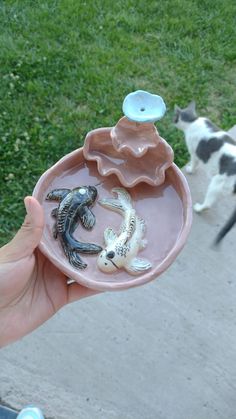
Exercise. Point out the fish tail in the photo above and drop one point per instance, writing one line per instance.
(74, 259)
(80, 247)
(112, 204)
(120, 204)
(90, 248)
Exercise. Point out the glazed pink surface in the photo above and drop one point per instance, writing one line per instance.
(165, 208)
(133, 151)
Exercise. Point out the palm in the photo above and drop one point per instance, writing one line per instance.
(28, 297)
(32, 289)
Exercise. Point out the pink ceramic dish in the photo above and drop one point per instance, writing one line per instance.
(134, 156)
(133, 151)
(165, 208)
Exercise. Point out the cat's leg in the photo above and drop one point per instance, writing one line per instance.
(215, 189)
(193, 163)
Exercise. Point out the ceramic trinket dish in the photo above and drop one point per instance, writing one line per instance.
(130, 158)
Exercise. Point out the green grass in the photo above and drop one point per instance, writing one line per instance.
(66, 66)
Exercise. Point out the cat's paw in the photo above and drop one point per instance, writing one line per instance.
(198, 207)
(189, 169)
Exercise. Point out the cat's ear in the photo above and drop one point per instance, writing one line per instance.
(192, 106)
(177, 113)
(177, 108)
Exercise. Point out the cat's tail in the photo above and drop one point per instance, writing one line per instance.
(227, 227)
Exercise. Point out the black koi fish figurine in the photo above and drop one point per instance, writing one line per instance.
(74, 207)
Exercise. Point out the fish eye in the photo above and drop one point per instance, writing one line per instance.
(105, 263)
(82, 191)
(110, 255)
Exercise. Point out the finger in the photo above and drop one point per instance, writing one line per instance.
(29, 235)
(77, 292)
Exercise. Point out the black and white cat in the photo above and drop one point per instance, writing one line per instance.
(214, 149)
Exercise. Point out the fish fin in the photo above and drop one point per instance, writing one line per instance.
(109, 236)
(54, 212)
(54, 228)
(142, 224)
(141, 230)
(54, 231)
(138, 265)
(57, 194)
(87, 218)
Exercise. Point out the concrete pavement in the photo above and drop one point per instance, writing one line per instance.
(166, 350)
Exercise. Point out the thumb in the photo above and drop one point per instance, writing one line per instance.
(29, 235)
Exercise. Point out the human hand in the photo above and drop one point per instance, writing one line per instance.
(32, 289)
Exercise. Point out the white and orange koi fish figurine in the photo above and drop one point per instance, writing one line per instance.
(121, 250)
